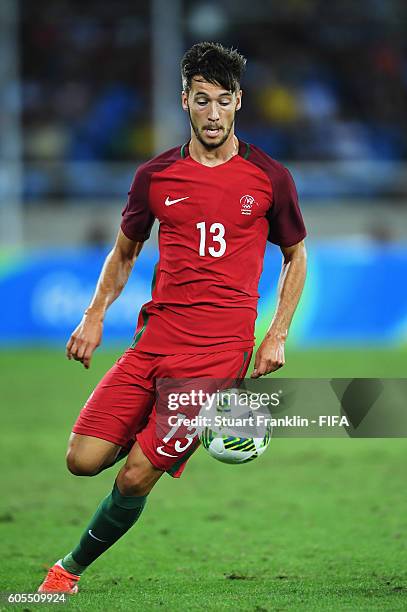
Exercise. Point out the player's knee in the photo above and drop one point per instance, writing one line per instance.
(134, 480)
(80, 465)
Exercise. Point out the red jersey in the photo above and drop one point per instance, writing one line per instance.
(214, 225)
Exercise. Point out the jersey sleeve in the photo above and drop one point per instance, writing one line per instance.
(286, 225)
(137, 218)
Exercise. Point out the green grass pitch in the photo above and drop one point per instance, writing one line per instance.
(312, 525)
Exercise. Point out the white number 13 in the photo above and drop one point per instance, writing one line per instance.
(218, 231)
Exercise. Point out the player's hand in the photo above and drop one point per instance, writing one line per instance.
(269, 357)
(85, 339)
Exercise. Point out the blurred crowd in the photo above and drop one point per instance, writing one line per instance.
(86, 80)
(325, 80)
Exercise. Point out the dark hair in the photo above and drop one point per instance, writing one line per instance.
(215, 63)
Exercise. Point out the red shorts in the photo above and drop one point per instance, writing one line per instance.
(123, 407)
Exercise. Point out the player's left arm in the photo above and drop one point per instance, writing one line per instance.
(270, 354)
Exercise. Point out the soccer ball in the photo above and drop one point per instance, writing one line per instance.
(230, 449)
(223, 441)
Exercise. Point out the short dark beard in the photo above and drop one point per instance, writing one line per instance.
(215, 145)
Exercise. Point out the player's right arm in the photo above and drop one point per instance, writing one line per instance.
(113, 277)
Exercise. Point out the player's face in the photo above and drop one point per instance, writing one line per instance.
(211, 111)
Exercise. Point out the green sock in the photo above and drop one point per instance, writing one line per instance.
(70, 565)
(113, 518)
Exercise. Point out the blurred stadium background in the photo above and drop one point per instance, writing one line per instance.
(88, 91)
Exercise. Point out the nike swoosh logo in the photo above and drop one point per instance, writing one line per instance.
(159, 450)
(93, 536)
(169, 202)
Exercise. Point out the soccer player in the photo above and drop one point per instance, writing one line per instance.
(218, 200)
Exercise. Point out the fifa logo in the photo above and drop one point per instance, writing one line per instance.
(246, 204)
